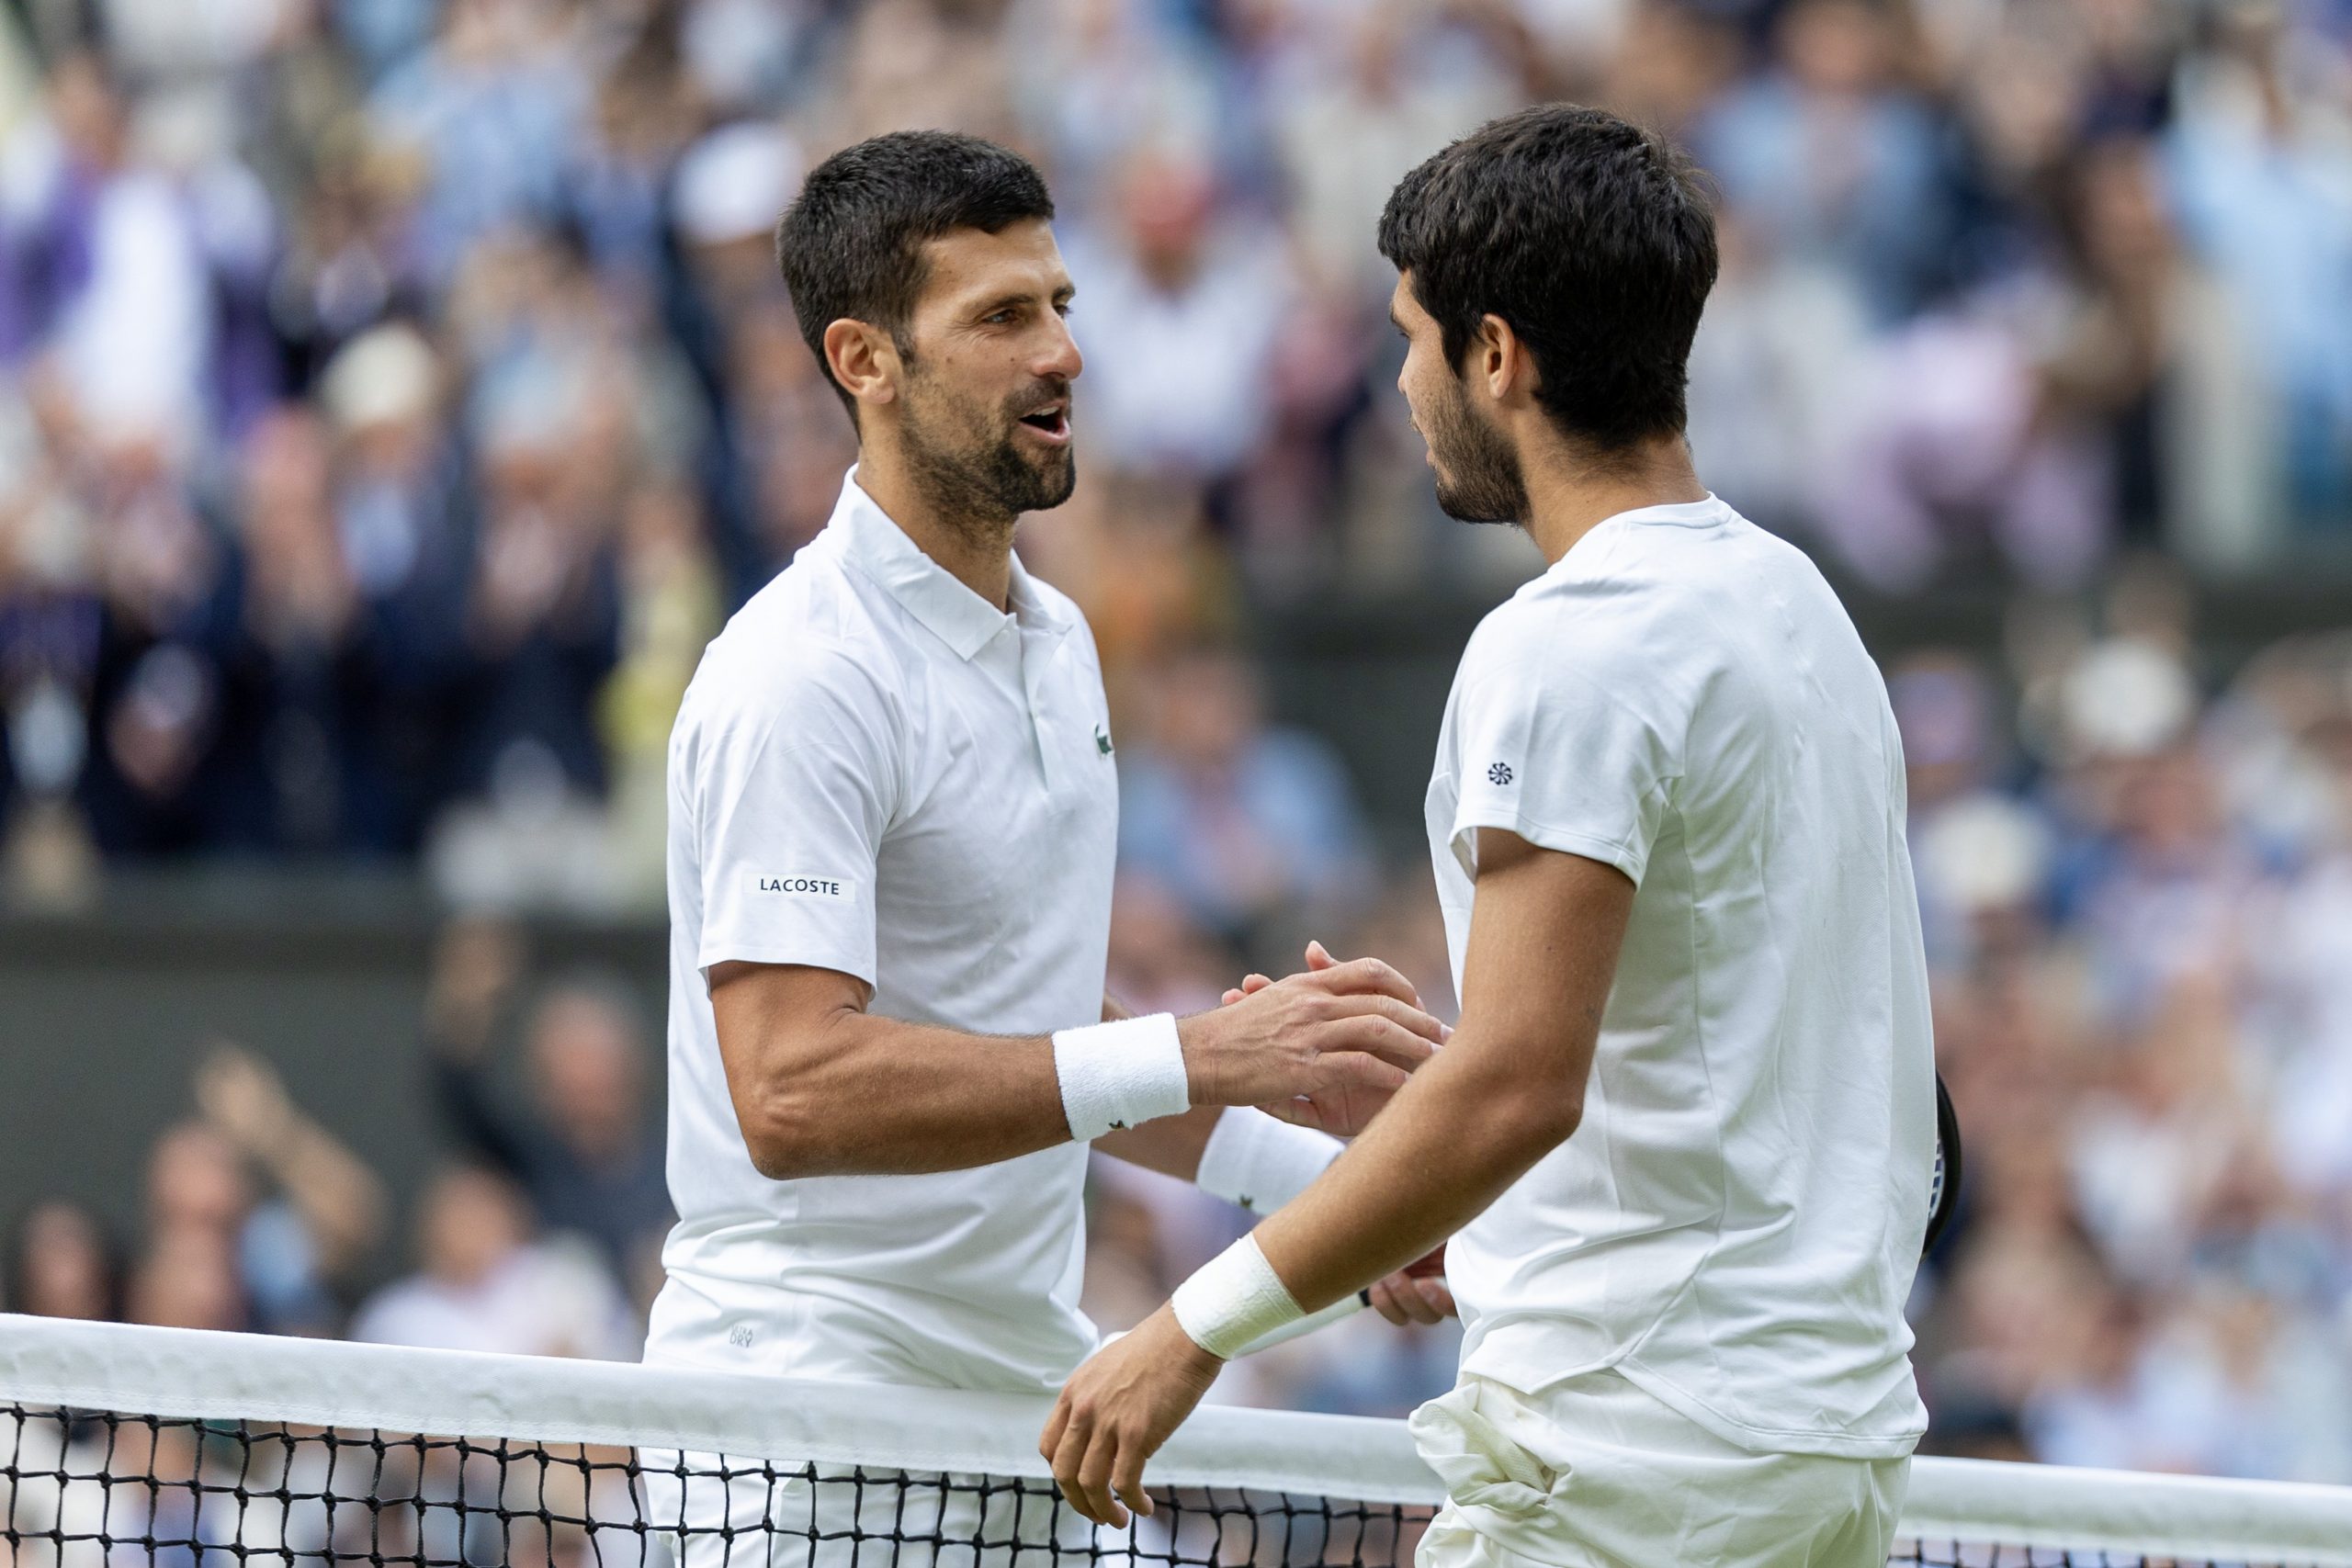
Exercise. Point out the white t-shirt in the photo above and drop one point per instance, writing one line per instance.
(876, 772)
(546, 1299)
(1735, 1222)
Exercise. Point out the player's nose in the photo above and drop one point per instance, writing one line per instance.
(1058, 355)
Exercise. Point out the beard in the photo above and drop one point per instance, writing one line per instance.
(1479, 478)
(972, 464)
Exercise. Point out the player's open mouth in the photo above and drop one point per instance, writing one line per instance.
(1050, 423)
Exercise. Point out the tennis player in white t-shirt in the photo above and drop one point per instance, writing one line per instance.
(892, 822)
(1682, 1137)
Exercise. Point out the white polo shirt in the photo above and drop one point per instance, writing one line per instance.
(1735, 1224)
(876, 771)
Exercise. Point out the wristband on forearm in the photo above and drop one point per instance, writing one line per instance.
(1121, 1074)
(1260, 1162)
(1233, 1300)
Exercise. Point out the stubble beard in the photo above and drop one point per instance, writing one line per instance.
(972, 467)
(1479, 478)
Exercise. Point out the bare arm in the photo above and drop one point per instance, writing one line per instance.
(822, 1087)
(1509, 1088)
(339, 1198)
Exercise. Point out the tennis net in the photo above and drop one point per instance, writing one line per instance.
(122, 1445)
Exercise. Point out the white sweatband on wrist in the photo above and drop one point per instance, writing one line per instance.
(1261, 1162)
(1121, 1074)
(1232, 1300)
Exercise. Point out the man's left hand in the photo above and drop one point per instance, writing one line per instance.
(1117, 1410)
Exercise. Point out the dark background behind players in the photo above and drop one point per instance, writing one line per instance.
(397, 393)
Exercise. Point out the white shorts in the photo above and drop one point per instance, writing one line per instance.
(736, 1513)
(1594, 1473)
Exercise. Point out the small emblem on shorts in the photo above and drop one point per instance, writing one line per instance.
(1499, 774)
(1102, 740)
(740, 1337)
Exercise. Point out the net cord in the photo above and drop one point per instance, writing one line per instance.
(211, 1376)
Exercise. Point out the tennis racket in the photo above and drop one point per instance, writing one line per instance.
(1943, 1182)
(1943, 1198)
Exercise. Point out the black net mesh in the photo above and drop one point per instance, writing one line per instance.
(84, 1489)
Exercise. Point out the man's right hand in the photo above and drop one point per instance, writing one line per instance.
(1327, 1047)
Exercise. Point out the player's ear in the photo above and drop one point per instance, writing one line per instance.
(1499, 358)
(864, 359)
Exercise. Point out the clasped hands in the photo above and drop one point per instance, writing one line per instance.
(1335, 1042)
(1324, 1048)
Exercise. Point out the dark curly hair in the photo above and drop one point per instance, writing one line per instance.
(1592, 237)
(851, 243)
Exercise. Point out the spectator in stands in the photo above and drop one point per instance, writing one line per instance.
(291, 1257)
(400, 503)
(671, 602)
(2258, 148)
(1240, 819)
(582, 1152)
(1834, 157)
(782, 448)
(100, 272)
(1183, 299)
(540, 633)
(155, 685)
(1161, 960)
(61, 1263)
(1375, 110)
(483, 1283)
(302, 673)
(190, 1277)
(488, 112)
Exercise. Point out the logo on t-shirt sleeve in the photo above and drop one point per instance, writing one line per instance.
(808, 887)
(1500, 774)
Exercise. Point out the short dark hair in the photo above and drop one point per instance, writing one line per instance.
(851, 243)
(1592, 236)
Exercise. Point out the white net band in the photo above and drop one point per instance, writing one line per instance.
(832, 1434)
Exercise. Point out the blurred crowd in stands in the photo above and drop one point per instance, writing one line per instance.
(395, 394)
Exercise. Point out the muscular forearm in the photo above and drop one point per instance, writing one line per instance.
(1454, 1139)
(822, 1087)
(873, 1096)
(889, 1097)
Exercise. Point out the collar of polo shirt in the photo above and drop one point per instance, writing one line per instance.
(933, 595)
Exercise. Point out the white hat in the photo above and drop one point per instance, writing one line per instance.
(2128, 698)
(384, 374)
(734, 183)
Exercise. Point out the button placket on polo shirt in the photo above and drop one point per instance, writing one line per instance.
(1041, 651)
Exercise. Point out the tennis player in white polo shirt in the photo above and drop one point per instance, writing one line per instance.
(1685, 1125)
(892, 823)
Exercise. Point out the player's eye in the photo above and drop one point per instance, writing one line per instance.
(1000, 318)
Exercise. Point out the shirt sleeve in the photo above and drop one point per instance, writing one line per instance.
(1566, 753)
(791, 804)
